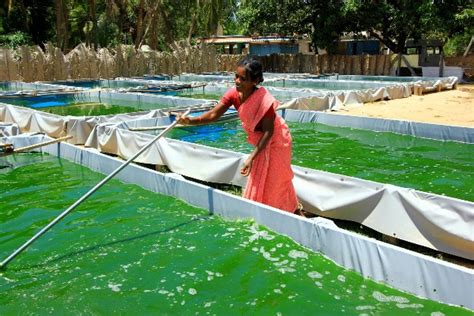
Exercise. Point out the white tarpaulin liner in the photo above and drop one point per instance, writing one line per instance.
(403, 269)
(9, 129)
(319, 100)
(124, 84)
(281, 94)
(429, 220)
(426, 83)
(418, 129)
(426, 79)
(79, 127)
(329, 84)
(336, 100)
(32, 88)
(29, 120)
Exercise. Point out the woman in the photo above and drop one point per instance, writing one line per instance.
(269, 164)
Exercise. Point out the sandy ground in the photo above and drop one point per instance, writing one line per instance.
(449, 107)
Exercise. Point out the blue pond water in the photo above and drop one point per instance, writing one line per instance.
(43, 101)
(92, 84)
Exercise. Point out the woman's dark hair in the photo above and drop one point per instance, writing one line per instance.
(253, 68)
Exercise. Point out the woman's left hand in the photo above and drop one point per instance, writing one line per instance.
(245, 170)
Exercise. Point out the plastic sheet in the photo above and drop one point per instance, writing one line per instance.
(429, 220)
(9, 129)
(30, 120)
(336, 100)
(426, 130)
(16, 88)
(403, 269)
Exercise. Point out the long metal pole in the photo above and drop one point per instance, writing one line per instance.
(4, 263)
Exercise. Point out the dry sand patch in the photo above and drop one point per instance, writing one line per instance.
(449, 107)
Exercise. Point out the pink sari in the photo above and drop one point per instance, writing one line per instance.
(270, 179)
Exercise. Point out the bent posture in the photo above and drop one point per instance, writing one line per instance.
(269, 164)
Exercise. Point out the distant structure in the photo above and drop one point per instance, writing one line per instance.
(260, 45)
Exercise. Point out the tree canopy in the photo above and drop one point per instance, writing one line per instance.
(158, 23)
(390, 21)
(162, 23)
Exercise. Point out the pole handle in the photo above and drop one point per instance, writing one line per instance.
(5, 262)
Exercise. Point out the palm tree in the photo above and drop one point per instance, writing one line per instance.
(62, 23)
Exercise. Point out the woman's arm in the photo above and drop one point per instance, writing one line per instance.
(267, 129)
(208, 117)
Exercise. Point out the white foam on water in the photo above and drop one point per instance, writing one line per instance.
(295, 254)
(282, 266)
(401, 305)
(267, 255)
(192, 291)
(437, 314)
(286, 269)
(315, 275)
(257, 234)
(319, 284)
(115, 287)
(125, 266)
(364, 307)
(383, 298)
(278, 291)
(341, 278)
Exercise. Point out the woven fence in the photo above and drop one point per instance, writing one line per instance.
(31, 63)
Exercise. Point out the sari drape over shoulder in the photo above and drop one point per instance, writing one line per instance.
(270, 179)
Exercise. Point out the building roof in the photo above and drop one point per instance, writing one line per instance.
(240, 39)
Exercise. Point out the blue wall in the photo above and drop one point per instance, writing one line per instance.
(362, 47)
(268, 49)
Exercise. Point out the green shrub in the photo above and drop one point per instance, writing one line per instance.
(13, 40)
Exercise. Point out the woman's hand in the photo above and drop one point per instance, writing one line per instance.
(183, 120)
(245, 170)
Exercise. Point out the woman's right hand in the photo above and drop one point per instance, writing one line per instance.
(183, 119)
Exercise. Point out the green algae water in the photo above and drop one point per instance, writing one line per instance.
(130, 251)
(445, 168)
(89, 109)
(67, 104)
(202, 96)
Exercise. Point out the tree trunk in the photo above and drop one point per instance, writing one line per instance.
(441, 63)
(93, 19)
(123, 23)
(62, 34)
(140, 17)
(154, 30)
(168, 32)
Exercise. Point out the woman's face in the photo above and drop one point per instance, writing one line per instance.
(243, 82)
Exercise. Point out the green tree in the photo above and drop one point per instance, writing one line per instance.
(34, 18)
(390, 21)
(267, 17)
